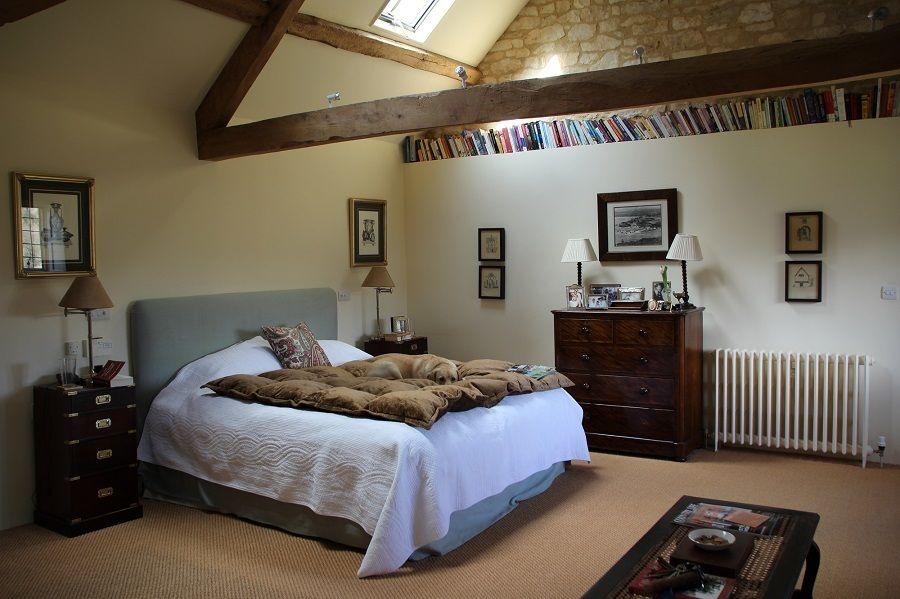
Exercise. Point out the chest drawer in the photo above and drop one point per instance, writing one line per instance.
(628, 421)
(103, 493)
(623, 390)
(100, 398)
(632, 361)
(644, 331)
(100, 423)
(104, 453)
(588, 330)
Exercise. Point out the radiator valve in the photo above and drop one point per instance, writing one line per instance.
(882, 445)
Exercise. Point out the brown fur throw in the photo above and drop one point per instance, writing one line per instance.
(347, 389)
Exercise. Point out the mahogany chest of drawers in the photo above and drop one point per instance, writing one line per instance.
(85, 458)
(637, 376)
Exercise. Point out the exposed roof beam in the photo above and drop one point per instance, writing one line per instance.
(13, 10)
(344, 38)
(242, 69)
(741, 71)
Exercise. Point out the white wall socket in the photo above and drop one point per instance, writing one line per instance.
(889, 292)
(100, 314)
(343, 296)
(71, 348)
(102, 347)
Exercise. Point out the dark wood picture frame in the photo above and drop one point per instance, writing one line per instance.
(368, 232)
(803, 232)
(803, 281)
(491, 244)
(491, 288)
(53, 222)
(663, 201)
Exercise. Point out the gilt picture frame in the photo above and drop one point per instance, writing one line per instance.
(368, 232)
(53, 221)
(636, 225)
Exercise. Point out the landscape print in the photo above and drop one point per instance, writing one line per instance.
(637, 225)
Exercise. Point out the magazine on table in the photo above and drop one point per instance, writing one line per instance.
(726, 517)
(535, 371)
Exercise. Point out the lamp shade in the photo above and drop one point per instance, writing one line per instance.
(685, 247)
(86, 293)
(378, 277)
(579, 250)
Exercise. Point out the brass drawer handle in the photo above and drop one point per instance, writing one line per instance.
(103, 399)
(104, 454)
(104, 492)
(644, 391)
(586, 386)
(585, 330)
(643, 360)
(643, 332)
(414, 347)
(103, 423)
(586, 357)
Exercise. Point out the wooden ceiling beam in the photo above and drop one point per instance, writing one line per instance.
(13, 10)
(344, 38)
(242, 69)
(791, 64)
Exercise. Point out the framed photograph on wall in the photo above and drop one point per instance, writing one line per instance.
(491, 244)
(368, 232)
(54, 225)
(803, 281)
(803, 233)
(636, 225)
(491, 282)
(574, 297)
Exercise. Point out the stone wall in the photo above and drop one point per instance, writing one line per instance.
(553, 37)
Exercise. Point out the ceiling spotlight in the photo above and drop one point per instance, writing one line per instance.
(461, 73)
(639, 53)
(877, 14)
(332, 98)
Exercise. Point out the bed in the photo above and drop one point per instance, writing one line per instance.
(397, 492)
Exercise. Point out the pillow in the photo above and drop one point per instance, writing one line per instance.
(251, 356)
(339, 352)
(295, 347)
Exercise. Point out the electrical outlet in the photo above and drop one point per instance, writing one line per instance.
(889, 292)
(71, 348)
(100, 314)
(343, 296)
(102, 347)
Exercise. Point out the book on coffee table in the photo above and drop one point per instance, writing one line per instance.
(726, 517)
(725, 562)
(716, 587)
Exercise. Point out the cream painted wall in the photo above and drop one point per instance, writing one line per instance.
(113, 99)
(733, 191)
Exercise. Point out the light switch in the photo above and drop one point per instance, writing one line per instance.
(343, 296)
(889, 292)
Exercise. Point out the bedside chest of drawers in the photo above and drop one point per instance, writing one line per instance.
(637, 376)
(85, 444)
(416, 345)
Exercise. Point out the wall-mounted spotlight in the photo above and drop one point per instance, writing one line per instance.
(877, 14)
(332, 98)
(639, 53)
(461, 73)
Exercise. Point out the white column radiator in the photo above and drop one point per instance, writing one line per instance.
(794, 401)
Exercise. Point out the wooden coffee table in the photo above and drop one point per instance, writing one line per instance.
(776, 561)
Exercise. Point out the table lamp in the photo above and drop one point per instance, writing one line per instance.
(86, 294)
(381, 280)
(684, 248)
(579, 250)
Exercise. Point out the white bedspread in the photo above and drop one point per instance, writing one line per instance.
(399, 483)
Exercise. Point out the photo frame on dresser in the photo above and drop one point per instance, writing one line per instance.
(54, 225)
(636, 225)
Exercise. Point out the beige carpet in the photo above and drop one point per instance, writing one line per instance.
(555, 545)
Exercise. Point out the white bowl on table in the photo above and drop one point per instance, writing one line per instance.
(711, 539)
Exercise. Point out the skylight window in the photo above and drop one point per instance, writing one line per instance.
(413, 19)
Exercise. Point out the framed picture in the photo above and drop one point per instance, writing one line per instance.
(491, 244)
(803, 233)
(636, 225)
(610, 290)
(368, 232)
(631, 294)
(574, 296)
(803, 281)
(54, 225)
(399, 324)
(598, 302)
(491, 282)
(657, 291)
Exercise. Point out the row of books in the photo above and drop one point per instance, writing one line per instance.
(808, 106)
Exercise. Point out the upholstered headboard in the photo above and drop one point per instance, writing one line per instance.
(165, 334)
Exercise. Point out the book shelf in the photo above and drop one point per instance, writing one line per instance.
(863, 99)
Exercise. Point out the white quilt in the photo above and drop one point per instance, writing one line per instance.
(399, 483)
